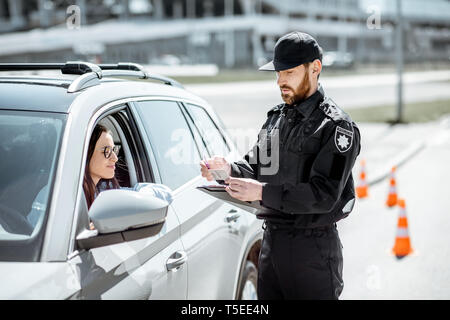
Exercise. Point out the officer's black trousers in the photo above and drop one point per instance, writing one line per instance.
(300, 264)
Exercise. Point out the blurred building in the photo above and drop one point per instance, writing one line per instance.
(229, 33)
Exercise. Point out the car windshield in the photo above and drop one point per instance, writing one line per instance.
(29, 144)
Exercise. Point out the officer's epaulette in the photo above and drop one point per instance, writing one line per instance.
(332, 111)
(275, 109)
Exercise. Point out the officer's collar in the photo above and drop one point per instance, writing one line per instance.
(306, 107)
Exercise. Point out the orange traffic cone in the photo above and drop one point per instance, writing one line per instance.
(402, 246)
(362, 188)
(392, 196)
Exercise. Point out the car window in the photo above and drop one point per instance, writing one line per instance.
(174, 147)
(209, 131)
(29, 148)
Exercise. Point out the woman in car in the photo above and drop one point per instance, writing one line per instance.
(100, 164)
(99, 173)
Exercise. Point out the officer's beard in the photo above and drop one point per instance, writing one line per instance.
(299, 94)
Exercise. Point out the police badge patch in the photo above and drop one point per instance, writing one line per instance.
(343, 139)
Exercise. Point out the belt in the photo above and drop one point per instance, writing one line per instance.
(291, 228)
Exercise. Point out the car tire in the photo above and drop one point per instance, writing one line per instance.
(249, 282)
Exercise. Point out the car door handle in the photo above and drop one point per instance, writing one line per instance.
(176, 260)
(232, 215)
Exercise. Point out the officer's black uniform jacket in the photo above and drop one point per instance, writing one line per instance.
(318, 146)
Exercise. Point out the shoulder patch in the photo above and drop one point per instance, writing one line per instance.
(343, 139)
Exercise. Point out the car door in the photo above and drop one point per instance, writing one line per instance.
(139, 269)
(213, 142)
(211, 230)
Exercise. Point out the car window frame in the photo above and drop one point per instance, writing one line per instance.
(198, 137)
(138, 150)
(218, 127)
(194, 129)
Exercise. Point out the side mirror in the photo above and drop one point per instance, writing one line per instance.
(119, 210)
(123, 215)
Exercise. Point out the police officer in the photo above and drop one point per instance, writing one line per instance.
(301, 171)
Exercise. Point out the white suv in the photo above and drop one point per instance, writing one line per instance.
(196, 247)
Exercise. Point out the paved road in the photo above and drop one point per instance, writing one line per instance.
(370, 271)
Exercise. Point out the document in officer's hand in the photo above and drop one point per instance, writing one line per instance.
(219, 174)
(219, 192)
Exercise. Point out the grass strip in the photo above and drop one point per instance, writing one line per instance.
(412, 112)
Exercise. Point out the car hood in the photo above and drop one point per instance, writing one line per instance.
(37, 280)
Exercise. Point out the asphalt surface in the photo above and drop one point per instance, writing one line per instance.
(368, 234)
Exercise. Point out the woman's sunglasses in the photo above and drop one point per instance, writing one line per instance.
(107, 151)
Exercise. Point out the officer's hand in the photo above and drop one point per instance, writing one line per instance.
(215, 162)
(244, 189)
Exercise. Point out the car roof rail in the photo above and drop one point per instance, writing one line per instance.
(91, 73)
(128, 66)
(122, 66)
(70, 67)
(30, 66)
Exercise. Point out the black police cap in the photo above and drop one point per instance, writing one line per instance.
(292, 50)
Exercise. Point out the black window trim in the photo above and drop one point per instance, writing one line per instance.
(213, 122)
(133, 136)
(186, 114)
